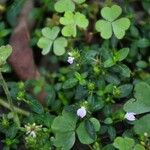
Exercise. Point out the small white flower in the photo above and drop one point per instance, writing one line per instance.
(130, 116)
(32, 129)
(81, 112)
(33, 134)
(70, 60)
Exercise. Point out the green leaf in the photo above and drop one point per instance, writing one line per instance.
(79, 1)
(87, 131)
(122, 54)
(96, 124)
(90, 129)
(46, 41)
(64, 129)
(120, 26)
(51, 33)
(35, 105)
(81, 20)
(108, 121)
(111, 13)
(139, 147)
(123, 143)
(13, 11)
(109, 63)
(142, 125)
(68, 18)
(141, 64)
(141, 103)
(59, 46)
(49, 38)
(71, 21)
(122, 69)
(143, 43)
(5, 52)
(45, 44)
(64, 5)
(104, 27)
(111, 132)
(70, 83)
(112, 78)
(64, 123)
(125, 90)
(83, 135)
(64, 140)
(69, 30)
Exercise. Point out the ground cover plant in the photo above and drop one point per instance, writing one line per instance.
(74, 74)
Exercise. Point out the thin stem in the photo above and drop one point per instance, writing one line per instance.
(90, 147)
(5, 87)
(17, 110)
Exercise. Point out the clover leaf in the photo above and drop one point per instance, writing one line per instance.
(49, 38)
(71, 21)
(111, 24)
(5, 52)
(123, 143)
(66, 5)
(141, 103)
(64, 128)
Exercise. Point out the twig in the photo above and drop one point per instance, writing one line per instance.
(4, 85)
(17, 110)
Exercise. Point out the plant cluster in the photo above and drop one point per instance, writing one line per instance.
(98, 94)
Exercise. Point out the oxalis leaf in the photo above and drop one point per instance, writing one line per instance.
(64, 140)
(64, 129)
(142, 125)
(5, 52)
(66, 5)
(71, 21)
(64, 123)
(49, 38)
(123, 143)
(141, 103)
(110, 25)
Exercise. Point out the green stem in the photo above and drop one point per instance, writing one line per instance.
(5, 87)
(17, 110)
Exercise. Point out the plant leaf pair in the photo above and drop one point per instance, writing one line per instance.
(71, 21)
(66, 5)
(111, 24)
(49, 38)
(118, 57)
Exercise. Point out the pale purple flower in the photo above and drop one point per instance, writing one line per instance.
(130, 116)
(81, 112)
(70, 60)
